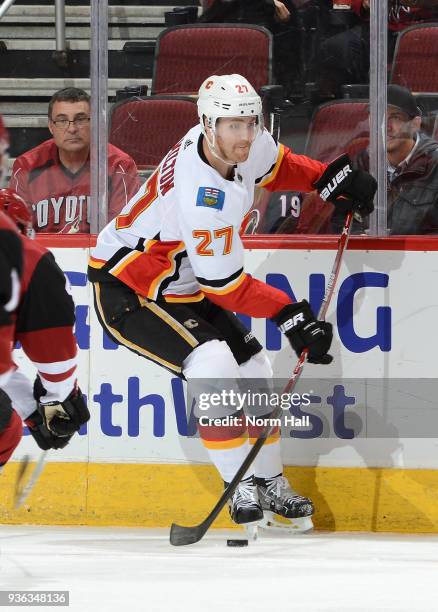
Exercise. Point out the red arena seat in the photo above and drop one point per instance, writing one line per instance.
(415, 64)
(335, 127)
(148, 128)
(186, 55)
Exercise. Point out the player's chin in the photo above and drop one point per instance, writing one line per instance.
(241, 154)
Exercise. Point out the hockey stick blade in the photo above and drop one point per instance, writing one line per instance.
(180, 535)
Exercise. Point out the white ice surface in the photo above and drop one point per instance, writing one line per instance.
(124, 570)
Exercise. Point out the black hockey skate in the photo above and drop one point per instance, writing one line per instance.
(244, 506)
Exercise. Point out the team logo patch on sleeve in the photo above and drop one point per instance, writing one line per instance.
(210, 197)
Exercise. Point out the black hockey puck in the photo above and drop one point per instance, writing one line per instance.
(237, 542)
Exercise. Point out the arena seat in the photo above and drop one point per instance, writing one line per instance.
(146, 128)
(186, 55)
(335, 127)
(415, 63)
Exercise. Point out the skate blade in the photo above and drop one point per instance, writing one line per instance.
(251, 530)
(275, 522)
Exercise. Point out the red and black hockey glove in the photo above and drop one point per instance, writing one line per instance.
(303, 330)
(347, 188)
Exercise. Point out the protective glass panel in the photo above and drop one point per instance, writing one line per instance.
(320, 54)
(45, 155)
(318, 50)
(132, 32)
(46, 49)
(412, 118)
(326, 113)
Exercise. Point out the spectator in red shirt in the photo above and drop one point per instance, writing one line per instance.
(54, 177)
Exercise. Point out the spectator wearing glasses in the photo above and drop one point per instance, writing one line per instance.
(54, 177)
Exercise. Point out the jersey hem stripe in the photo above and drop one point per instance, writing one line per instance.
(229, 289)
(219, 282)
(197, 297)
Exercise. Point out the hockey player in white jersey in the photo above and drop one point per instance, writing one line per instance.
(168, 272)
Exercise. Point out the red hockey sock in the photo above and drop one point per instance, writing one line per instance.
(227, 445)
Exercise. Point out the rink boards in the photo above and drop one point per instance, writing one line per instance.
(134, 463)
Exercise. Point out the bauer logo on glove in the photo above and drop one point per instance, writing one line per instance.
(347, 188)
(304, 331)
(335, 182)
(292, 322)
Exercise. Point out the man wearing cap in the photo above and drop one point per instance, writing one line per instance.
(412, 167)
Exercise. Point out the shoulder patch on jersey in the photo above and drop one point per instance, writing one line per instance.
(210, 197)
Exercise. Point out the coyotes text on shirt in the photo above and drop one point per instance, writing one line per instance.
(61, 210)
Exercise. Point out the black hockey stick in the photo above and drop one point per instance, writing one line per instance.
(180, 535)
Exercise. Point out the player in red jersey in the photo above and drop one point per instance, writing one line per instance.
(10, 273)
(54, 177)
(41, 318)
(11, 261)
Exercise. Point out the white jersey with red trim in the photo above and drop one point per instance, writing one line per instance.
(178, 237)
(189, 217)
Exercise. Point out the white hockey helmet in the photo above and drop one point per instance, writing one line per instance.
(229, 95)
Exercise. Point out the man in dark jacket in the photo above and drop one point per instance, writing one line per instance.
(412, 168)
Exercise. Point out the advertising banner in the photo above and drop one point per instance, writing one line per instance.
(384, 315)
